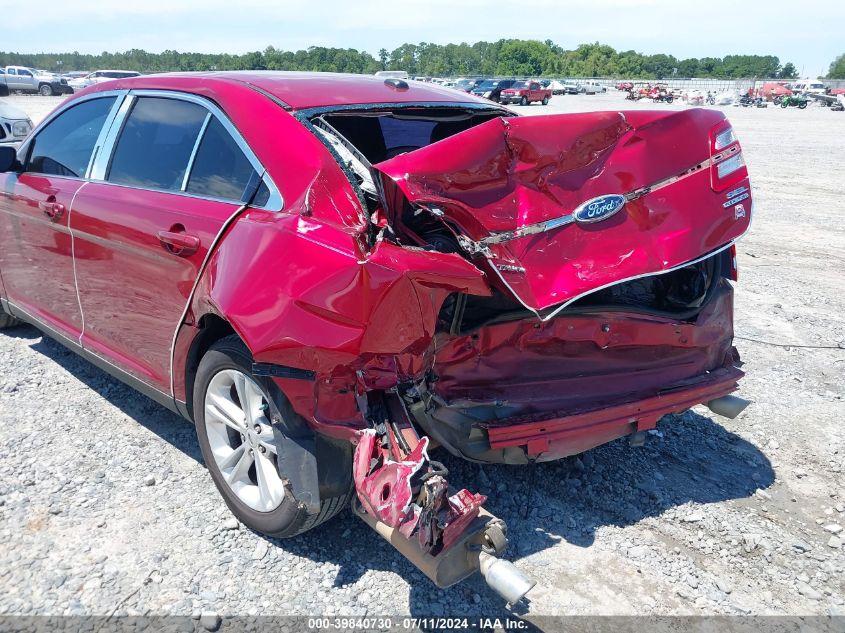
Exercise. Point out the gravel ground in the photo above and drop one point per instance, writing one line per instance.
(107, 508)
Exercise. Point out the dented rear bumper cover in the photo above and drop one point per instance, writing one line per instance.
(549, 438)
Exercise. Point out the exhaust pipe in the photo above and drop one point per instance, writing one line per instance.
(461, 560)
(728, 406)
(504, 578)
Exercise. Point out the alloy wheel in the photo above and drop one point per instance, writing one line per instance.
(241, 439)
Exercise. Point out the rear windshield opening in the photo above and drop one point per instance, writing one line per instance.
(383, 135)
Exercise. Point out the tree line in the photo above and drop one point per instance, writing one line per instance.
(506, 57)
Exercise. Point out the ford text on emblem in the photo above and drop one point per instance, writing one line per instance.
(598, 209)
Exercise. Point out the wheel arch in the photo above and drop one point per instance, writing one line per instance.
(211, 328)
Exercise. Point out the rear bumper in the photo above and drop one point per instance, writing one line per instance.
(519, 391)
(553, 438)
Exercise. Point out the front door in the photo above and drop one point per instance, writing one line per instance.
(36, 246)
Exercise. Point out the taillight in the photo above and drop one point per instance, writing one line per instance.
(727, 164)
(734, 267)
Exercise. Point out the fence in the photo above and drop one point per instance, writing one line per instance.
(713, 85)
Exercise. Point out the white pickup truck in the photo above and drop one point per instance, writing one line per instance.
(23, 79)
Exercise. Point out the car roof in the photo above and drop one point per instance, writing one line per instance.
(301, 90)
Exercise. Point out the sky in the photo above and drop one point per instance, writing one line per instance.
(809, 33)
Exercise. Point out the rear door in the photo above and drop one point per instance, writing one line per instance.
(35, 242)
(142, 229)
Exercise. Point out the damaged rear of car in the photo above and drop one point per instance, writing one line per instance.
(606, 238)
(350, 272)
(605, 241)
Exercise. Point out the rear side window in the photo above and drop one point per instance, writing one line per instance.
(156, 143)
(64, 146)
(220, 169)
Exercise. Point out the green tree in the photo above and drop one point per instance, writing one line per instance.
(837, 68)
(788, 71)
(523, 57)
(503, 57)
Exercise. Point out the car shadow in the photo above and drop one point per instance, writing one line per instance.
(689, 458)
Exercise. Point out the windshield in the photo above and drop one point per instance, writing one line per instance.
(487, 85)
(464, 83)
(520, 84)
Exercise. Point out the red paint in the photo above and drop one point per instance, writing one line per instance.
(553, 438)
(407, 494)
(36, 260)
(132, 286)
(304, 288)
(507, 174)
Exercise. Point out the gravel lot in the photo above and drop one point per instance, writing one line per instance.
(107, 508)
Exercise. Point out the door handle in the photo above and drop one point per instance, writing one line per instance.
(179, 243)
(53, 210)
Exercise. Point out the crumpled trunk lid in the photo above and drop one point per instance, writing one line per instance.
(555, 207)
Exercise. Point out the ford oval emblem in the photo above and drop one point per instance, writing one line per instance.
(598, 209)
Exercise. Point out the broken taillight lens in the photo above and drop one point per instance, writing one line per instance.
(728, 166)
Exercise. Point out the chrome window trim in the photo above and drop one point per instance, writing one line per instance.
(190, 168)
(100, 166)
(275, 202)
(101, 138)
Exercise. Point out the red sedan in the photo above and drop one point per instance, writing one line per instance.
(330, 273)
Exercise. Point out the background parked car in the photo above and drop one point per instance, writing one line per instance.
(571, 88)
(808, 86)
(467, 85)
(591, 87)
(99, 76)
(492, 88)
(524, 92)
(23, 79)
(14, 124)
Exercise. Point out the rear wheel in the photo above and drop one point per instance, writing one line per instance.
(45, 90)
(233, 411)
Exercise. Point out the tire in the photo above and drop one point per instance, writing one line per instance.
(524, 101)
(670, 99)
(227, 358)
(545, 101)
(801, 106)
(45, 90)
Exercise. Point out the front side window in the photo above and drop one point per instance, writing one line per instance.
(156, 143)
(220, 169)
(64, 146)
